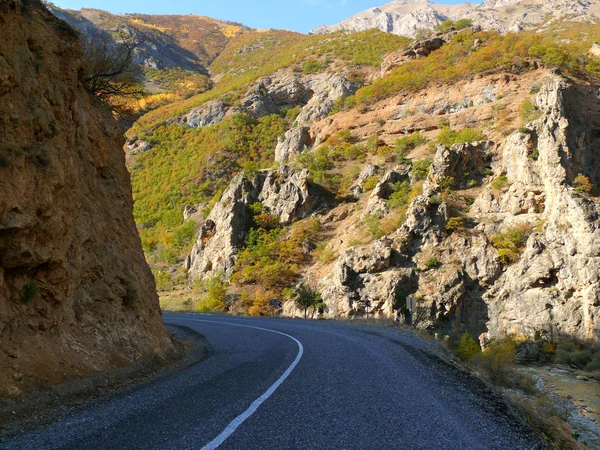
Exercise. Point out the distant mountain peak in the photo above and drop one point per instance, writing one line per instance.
(407, 17)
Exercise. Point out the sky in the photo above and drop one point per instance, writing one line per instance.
(297, 15)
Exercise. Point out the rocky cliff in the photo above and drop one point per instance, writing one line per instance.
(76, 295)
(465, 276)
(408, 17)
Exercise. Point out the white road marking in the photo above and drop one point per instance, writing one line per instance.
(235, 423)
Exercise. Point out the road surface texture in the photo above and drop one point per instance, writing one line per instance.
(292, 384)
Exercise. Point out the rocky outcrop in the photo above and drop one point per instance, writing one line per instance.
(285, 193)
(211, 113)
(552, 289)
(365, 274)
(283, 90)
(290, 145)
(76, 294)
(409, 17)
(419, 49)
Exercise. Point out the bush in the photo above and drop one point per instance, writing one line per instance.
(215, 300)
(500, 183)
(509, 245)
(497, 360)
(467, 348)
(528, 112)
(461, 24)
(433, 263)
(448, 137)
(373, 223)
(576, 355)
(306, 297)
(29, 291)
(445, 27)
(311, 66)
(408, 143)
(400, 195)
(370, 183)
(420, 169)
(454, 223)
(582, 184)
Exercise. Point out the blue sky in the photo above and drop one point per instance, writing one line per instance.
(298, 15)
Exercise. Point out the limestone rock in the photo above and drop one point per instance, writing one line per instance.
(211, 113)
(285, 193)
(409, 17)
(419, 49)
(292, 144)
(326, 90)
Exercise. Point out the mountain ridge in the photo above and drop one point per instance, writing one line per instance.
(409, 17)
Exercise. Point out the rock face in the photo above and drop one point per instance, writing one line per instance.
(284, 193)
(408, 17)
(292, 144)
(364, 274)
(314, 94)
(552, 289)
(76, 294)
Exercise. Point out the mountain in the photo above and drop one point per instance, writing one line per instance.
(407, 17)
(186, 42)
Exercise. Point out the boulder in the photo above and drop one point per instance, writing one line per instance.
(290, 145)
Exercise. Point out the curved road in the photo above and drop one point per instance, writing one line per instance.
(292, 384)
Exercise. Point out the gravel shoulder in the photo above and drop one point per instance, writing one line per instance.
(42, 407)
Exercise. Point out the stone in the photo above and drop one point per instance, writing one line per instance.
(211, 113)
(285, 193)
(290, 145)
(527, 353)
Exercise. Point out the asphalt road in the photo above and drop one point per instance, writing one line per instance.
(292, 384)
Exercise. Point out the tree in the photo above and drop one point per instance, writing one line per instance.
(307, 298)
(110, 70)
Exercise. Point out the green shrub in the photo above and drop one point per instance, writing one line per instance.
(461, 24)
(29, 291)
(467, 348)
(528, 112)
(577, 355)
(500, 183)
(448, 137)
(311, 66)
(445, 27)
(400, 196)
(420, 169)
(497, 360)
(433, 263)
(407, 143)
(509, 245)
(215, 300)
(454, 223)
(582, 184)
(370, 183)
(373, 224)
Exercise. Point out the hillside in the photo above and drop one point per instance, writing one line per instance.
(76, 295)
(373, 168)
(417, 17)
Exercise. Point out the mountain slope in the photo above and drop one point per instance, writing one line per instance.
(408, 17)
(187, 42)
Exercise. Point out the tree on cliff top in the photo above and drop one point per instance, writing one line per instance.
(110, 72)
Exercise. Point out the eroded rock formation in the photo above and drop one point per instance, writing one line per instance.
(552, 289)
(284, 193)
(76, 295)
